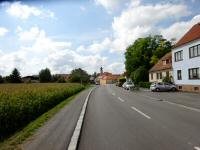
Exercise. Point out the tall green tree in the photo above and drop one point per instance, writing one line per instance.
(45, 75)
(145, 52)
(15, 76)
(1, 79)
(79, 75)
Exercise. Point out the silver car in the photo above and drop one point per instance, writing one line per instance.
(160, 86)
(128, 85)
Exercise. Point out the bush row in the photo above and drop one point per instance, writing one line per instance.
(144, 84)
(20, 104)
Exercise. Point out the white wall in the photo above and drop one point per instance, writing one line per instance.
(185, 64)
(163, 75)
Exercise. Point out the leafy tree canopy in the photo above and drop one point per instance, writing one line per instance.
(1, 79)
(79, 75)
(145, 52)
(15, 76)
(45, 75)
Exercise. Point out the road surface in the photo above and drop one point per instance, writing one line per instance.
(122, 120)
(57, 132)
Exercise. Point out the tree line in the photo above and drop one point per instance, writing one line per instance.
(143, 54)
(77, 75)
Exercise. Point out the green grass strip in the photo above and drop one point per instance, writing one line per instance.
(13, 143)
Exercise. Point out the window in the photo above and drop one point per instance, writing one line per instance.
(194, 51)
(194, 73)
(160, 75)
(157, 75)
(167, 61)
(179, 75)
(164, 62)
(151, 76)
(178, 55)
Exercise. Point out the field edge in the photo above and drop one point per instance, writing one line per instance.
(15, 141)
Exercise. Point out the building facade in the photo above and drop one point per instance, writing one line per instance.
(186, 61)
(161, 69)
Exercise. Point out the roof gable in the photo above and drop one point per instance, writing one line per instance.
(191, 35)
(160, 66)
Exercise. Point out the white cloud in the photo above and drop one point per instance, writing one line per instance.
(96, 47)
(22, 11)
(116, 67)
(178, 29)
(3, 31)
(47, 52)
(112, 5)
(137, 21)
(134, 22)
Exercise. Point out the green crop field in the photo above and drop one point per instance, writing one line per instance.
(22, 103)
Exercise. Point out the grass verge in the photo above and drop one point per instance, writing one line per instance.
(13, 143)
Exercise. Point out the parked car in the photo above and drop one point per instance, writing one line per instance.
(119, 83)
(161, 86)
(128, 85)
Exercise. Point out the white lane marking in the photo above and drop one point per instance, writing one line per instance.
(197, 148)
(148, 117)
(120, 99)
(75, 137)
(149, 97)
(183, 106)
(179, 105)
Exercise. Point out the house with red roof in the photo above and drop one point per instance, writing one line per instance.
(162, 69)
(186, 60)
(107, 78)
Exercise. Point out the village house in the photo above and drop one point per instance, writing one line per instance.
(161, 69)
(186, 61)
(106, 77)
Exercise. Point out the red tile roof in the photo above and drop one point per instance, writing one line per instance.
(191, 35)
(160, 66)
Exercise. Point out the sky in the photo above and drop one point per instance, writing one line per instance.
(67, 34)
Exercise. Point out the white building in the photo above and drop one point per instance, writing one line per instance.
(186, 60)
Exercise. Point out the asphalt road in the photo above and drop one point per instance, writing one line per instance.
(57, 132)
(122, 120)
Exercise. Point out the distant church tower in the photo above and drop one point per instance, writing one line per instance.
(101, 70)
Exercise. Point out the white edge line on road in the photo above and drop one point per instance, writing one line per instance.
(75, 137)
(120, 99)
(197, 148)
(183, 106)
(148, 117)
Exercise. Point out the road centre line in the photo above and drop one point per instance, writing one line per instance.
(197, 148)
(140, 112)
(121, 99)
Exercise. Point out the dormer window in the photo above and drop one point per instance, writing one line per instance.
(164, 62)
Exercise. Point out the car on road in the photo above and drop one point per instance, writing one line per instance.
(128, 85)
(162, 86)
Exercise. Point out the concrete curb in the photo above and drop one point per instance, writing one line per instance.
(75, 137)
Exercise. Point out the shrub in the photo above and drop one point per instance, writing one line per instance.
(22, 103)
(166, 79)
(144, 84)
